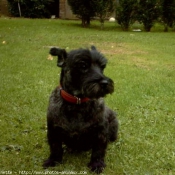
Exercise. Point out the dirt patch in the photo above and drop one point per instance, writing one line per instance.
(170, 66)
(117, 48)
(131, 55)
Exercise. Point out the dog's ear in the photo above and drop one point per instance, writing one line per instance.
(61, 53)
(93, 48)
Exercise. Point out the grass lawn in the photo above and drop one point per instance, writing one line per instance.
(142, 66)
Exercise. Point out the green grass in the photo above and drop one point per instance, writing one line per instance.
(142, 66)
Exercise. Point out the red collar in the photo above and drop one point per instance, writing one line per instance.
(72, 99)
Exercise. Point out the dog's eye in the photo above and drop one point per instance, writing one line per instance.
(82, 65)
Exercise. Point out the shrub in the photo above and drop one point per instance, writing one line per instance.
(83, 9)
(30, 8)
(125, 13)
(88, 9)
(168, 13)
(103, 8)
(148, 12)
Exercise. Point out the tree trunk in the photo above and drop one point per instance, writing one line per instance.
(166, 28)
(85, 21)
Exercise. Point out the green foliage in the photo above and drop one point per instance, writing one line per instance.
(30, 8)
(148, 12)
(103, 8)
(125, 13)
(168, 13)
(83, 9)
(86, 10)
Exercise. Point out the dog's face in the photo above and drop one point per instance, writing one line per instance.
(82, 72)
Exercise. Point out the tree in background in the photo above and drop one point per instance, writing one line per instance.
(168, 13)
(103, 8)
(84, 9)
(148, 12)
(30, 8)
(88, 9)
(125, 13)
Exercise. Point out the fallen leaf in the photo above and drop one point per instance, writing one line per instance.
(50, 57)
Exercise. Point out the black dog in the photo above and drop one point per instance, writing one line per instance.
(77, 115)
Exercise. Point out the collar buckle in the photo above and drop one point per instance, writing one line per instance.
(78, 100)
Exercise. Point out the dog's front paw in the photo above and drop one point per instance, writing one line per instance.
(97, 166)
(50, 163)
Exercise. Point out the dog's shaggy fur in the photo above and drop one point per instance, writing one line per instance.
(86, 126)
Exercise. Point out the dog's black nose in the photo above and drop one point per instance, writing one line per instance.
(104, 83)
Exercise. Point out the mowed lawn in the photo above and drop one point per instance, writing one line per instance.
(142, 66)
